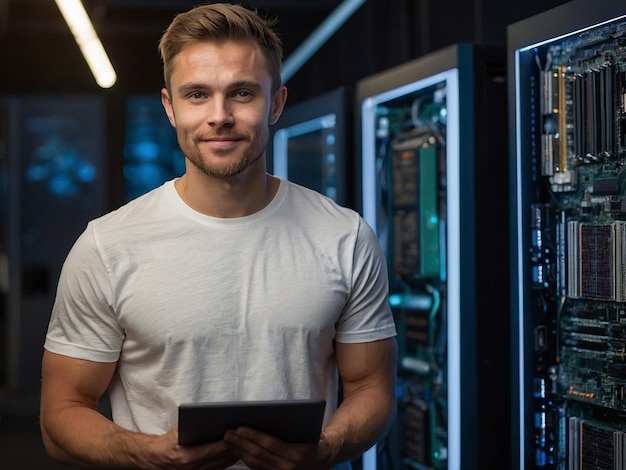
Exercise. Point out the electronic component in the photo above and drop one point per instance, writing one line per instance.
(432, 139)
(571, 136)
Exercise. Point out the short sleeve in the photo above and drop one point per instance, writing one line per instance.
(83, 324)
(367, 315)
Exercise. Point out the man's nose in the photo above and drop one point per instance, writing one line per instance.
(219, 112)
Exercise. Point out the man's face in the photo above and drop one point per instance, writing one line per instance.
(221, 104)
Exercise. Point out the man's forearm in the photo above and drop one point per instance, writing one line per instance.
(82, 437)
(359, 422)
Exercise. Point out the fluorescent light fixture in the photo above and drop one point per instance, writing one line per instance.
(85, 35)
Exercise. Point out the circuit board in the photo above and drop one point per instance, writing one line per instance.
(411, 143)
(578, 249)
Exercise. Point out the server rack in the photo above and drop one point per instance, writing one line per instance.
(568, 153)
(53, 164)
(434, 183)
(310, 144)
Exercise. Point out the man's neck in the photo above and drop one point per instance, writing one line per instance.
(242, 195)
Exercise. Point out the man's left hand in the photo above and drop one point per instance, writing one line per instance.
(262, 451)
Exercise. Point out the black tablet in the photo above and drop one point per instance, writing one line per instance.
(289, 420)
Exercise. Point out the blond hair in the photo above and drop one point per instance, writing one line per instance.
(218, 22)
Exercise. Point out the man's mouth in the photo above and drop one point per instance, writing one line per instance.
(221, 141)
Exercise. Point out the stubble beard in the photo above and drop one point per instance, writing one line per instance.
(223, 170)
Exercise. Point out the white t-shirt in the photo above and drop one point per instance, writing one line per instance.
(197, 308)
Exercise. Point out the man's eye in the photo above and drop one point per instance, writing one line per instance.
(243, 94)
(196, 95)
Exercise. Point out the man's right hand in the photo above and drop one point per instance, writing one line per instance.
(76, 433)
(166, 453)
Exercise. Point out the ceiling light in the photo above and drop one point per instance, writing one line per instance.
(85, 35)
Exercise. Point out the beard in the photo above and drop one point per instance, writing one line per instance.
(222, 170)
(224, 164)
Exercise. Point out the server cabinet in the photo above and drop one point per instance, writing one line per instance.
(434, 184)
(568, 154)
(54, 172)
(311, 144)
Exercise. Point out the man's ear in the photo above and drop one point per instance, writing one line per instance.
(167, 105)
(278, 103)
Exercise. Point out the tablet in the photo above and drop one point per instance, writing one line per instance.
(295, 421)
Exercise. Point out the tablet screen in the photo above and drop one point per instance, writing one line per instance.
(289, 420)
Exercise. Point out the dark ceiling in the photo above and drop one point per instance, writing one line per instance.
(145, 15)
(38, 52)
(133, 18)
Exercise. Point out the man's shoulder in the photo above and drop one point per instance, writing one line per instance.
(312, 210)
(304, 195)
(138, 208)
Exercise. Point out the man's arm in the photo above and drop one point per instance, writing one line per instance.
(75, 433)
(368, 372)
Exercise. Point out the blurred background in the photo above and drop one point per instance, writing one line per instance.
(71, 150)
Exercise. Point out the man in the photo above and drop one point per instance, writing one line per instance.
(224, 284)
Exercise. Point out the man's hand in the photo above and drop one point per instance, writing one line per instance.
(261, 451)
(168, 454)
(76, 433)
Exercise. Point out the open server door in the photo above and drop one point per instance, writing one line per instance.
(568, 131)
(434, 166)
